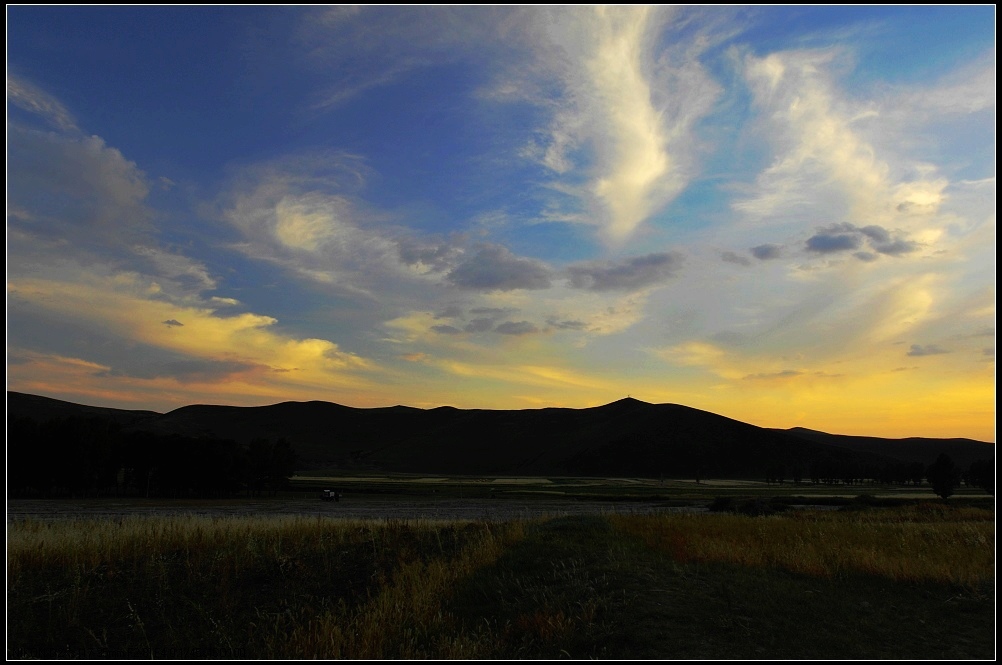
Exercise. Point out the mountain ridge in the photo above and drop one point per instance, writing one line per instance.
(626, 437)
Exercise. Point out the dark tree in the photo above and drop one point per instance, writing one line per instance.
(798, 473)
(982, 474)
(269, 465)
(283, 460)
(943, 475)
(27, 470)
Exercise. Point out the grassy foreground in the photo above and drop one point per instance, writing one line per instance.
(914, 582)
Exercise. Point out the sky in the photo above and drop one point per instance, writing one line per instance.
(783, 215)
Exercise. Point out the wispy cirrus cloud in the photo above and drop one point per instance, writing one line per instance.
(824, 162)
(620, 139)
(76, 202)
(37, 102)
(359, 49)
(621, 88)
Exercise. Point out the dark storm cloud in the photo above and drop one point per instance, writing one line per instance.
(628, 275)
(495, 268)
(846, 237)
(767, 251)
(731, 257)
(926, 350)
(516, 328)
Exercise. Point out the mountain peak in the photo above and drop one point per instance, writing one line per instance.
(627, 401)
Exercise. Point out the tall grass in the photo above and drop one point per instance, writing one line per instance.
(919, 543)
(298, 587)
(405, 619)
(196, 587)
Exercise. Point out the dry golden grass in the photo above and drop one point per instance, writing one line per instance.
(405, 619)
(402, 611)
(912, 544)
(300, 587)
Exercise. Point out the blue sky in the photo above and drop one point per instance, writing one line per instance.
(783, 215)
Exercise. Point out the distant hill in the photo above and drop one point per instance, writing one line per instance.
(43, 409)
(912, 449)
(625, 438)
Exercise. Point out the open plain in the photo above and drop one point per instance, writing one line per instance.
(552, 568)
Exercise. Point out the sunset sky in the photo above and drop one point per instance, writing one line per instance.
(782, 215)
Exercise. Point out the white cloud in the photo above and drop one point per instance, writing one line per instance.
(309, 227)
(844, 160)
(359, 50)
(127, 310)
(622, 90)
(636, 157)
(39, 103)
(75, 188)
(822, 161)
(190, 276)
(621, 135)
(968, 90)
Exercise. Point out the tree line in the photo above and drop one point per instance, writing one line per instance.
(89, 457)
(943, 475)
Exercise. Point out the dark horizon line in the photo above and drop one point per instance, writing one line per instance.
(627, 399)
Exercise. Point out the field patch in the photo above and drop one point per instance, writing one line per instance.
(914, 582)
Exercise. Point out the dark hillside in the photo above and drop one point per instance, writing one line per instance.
(626, 438)
(44, 409)
(912, 449)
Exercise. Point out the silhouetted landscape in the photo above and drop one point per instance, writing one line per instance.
(135, 534)
(626, 438)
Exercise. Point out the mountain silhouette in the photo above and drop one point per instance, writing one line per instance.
(628, 437)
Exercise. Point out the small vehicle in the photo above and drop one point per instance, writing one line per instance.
(330, 495)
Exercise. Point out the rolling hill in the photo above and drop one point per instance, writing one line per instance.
(625, 438)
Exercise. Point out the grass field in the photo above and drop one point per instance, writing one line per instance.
(908, 582)
(625, 489)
